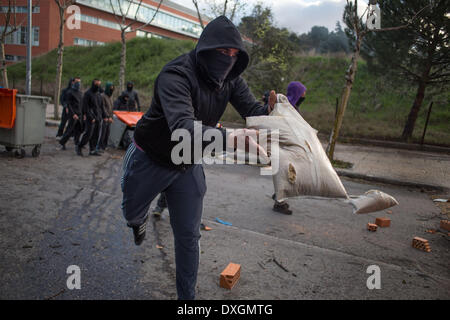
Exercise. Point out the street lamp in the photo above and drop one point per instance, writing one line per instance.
(29, 44)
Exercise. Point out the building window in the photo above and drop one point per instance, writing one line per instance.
(9, 57)
(145, 13)
(146, 34)
(87, 43)
(20, 36)
(17, 9)
(98, 21)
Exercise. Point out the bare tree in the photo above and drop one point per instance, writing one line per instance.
(122, 18)
(12, 24)
(195, 2)
(62, 6)
(215, 8)
(360, 30)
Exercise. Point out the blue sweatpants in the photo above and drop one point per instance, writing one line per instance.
(142, 181)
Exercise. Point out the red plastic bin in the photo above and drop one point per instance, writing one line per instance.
(7, 108)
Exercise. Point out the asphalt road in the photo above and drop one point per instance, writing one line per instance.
(59, 210)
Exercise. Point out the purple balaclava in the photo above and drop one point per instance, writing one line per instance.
(295, 90)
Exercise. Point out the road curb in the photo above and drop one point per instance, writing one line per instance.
(354, 175)
(51, 123)
(390, 144)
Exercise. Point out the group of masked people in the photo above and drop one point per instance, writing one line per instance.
(89, 115)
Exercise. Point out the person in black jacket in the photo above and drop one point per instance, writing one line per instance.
(133, 103)
(93, 114)
(196, 86)
(65, 111)
(121, 103)
(74, 101)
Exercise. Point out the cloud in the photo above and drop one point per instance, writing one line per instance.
(300, 16)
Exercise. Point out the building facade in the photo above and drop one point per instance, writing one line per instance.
(98, 23)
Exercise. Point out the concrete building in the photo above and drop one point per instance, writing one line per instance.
(97, 24)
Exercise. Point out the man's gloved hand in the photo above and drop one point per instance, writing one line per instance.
(272, 100)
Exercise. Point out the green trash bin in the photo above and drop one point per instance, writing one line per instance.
(29, 126)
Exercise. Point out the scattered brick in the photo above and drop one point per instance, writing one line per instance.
(421, 244)
(230, 275)
(372, 227)
(430, 231)
(445, 224)
(383, 222)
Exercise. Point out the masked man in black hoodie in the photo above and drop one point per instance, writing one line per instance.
(133, 103)
(65, 111)
(74, 100)
(93, 114)
(196, 86)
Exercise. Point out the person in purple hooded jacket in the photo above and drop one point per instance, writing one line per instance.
(296, 92)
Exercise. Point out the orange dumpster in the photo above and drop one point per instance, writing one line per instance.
(130, 118)
(7, 108)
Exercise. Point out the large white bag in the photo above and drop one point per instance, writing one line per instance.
(304, 168)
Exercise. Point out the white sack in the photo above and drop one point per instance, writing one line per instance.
(371, 201)
(304, 168)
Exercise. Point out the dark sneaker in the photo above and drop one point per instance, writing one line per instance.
(78, 150)
(139, 232)
(282, 207)
(62, 147)
(157, 211)
(94, 153)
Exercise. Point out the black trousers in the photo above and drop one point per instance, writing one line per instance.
(141, 182)
(91, 134)
(64, 118)
(104, 136)
(74, 128)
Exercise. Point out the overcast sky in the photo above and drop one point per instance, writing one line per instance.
(298, 15)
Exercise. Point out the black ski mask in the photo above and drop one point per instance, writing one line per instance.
(95, 87)
(300, 100)
(129, 86)
(76, 85)
(218, 66)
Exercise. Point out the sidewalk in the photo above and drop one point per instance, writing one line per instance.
(412, 168)
(395, 166)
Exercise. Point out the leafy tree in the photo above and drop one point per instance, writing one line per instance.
(269, 48)
(126, 14)
(419, 53)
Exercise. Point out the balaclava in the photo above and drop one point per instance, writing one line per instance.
(129, 86)
(218, 65)
(76, 85)
(109, 89)
(95, 87)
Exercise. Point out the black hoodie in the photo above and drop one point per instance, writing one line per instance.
(63, 96)
(93, 104)
(184, 93)
(74, 101)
